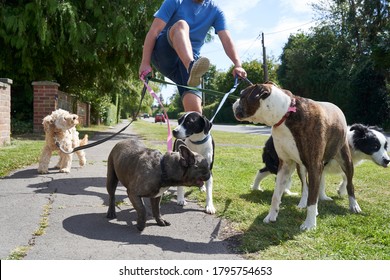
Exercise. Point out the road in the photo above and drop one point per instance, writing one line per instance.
(239, 128)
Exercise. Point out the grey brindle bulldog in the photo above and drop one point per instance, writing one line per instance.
(149, 173)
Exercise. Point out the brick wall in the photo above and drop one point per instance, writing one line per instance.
(48, 98)
(45, 102)
(5, 111)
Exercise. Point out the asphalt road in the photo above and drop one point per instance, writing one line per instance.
(241, 128)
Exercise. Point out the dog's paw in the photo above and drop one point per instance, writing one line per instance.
(325, 198)
(182, 202)
(307, 226)
(203, 188)
(354, 206)
(111, 214)
(311, 218)
(162, 222)
(141, 226)
(43, 171)
(256, 187)
(210, 209)
(82, 162)
(270, 218)
(65, 170)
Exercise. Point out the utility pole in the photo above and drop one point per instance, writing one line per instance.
(203, 93)
(265, 67)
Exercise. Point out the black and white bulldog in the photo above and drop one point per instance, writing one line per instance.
(194, 129)
(305, 132)
(365, 142)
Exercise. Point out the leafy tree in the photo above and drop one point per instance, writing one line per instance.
(349, 45)
(87, 46)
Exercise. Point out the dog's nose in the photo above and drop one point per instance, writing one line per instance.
(386, 162)
(238, 114)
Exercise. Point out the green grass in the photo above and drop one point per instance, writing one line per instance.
(18, 154)
(339, 235)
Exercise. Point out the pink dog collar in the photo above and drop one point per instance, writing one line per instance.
(291, 109)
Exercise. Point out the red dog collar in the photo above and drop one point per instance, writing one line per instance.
(291, 109)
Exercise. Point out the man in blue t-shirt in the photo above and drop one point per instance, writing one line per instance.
(174, 41)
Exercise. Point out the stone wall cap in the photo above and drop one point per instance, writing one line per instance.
(6, 81)
(45, 83)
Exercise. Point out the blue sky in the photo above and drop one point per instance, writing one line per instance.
(247, 19)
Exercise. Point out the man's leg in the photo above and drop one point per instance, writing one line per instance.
(179, 36)
(192, 102)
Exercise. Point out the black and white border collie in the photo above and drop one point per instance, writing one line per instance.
(194, 129)
(365, 142)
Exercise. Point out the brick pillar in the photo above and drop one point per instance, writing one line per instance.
(45, 102)
(5, 111)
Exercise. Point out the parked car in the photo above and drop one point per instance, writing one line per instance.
(146, 116)
(159, 118)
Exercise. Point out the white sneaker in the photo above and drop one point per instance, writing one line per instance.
(196, 70)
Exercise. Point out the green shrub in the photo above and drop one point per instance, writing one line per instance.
(110, 118)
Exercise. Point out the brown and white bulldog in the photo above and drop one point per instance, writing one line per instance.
(305, 132)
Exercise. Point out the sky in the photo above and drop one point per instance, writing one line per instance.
(247, 19)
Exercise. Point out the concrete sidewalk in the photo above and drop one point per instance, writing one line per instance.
(75, 205)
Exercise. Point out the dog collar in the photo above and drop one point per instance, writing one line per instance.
(291, 109)
(200, 142)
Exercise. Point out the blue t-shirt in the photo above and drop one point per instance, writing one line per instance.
(200, 17)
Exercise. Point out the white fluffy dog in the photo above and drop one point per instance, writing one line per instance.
(60, 127)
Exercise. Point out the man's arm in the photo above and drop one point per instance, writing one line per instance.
(150, 40)
(230, 50)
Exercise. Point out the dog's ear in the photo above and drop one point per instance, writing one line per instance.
(359, 128)
(187, 158)
(360, 132)
(47, 122)
(262, 91)
(177, 144)
(207, 125)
